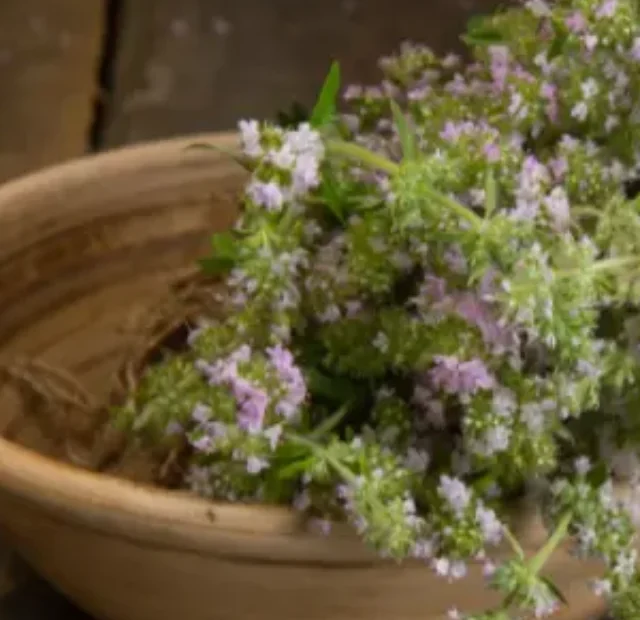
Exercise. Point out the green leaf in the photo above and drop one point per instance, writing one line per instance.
(481, 32)
(491, 193)
(407, 138)
(557, 46)
(213, 266)
(205, 146)
(554, 589)
(335, 389)
(330, 423)
(225, 254)
(292, 117)
(325, 108)
(294, 470)
(332, 197)
(598, 474)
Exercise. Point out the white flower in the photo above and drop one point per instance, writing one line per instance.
(582, 465)
(489, 524)
(557, 205)
(590, 88)
(455, 492)
(417, 460)
(250, 137)
(283, 158)
(381, 342)
(268, 195)
(580, 111)
(441, 566)
(539, 8)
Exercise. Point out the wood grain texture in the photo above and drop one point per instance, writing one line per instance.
(130, 221)
(49, 54)
(200, 65)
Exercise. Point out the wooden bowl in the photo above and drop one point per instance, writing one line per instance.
(82, 246)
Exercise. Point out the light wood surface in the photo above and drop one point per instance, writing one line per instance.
(81, 246)
(49, 56)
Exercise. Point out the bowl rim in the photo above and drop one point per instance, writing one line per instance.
(142, 513)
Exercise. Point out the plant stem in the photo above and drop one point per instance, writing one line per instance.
(513, 541)
(345, 472)
(608, 264)
(363, 155)
(373, 160)
(539, 560)
(459, 209)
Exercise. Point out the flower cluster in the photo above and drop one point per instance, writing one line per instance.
(432, 300)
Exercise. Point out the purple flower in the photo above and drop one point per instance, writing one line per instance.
(455, 260)
(305, 141)
(455, 377)
(255, 464)
(201, 413)
(635, 49)
(174, 428)
(499, 65)
(607, 9)
(576, 22)
(590, 41)
(353, 91)
(492, 152)
(252, 404)
(550, 92)
(489, 524)
(451, 131)
(292, 379)
(455, 493)
(268, 195)
(305, 174)
(557, 204)
(559, 167)
(250, 137)
(273, 434)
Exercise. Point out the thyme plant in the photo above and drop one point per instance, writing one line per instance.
(433, 305)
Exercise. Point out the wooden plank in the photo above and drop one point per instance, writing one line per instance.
(49, 54)
(201, 65)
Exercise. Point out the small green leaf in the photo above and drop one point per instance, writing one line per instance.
(598, 474)
(294, 469)
(330, 423)
(225, 253)
(224, 244)
(325, 108)
(213, 266)
(481, 32)
(336, 389)
(292, 117)
(205, 146)
(554, 589)
(491, 193)
(332, 197)
(557, 46)
(407, 138)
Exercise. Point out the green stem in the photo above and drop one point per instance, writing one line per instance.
(540, 559)
(608, 264)
(590, 211)
(513, 541)
(459, 209)
(373, 160)
(345, 472)
(363, 155)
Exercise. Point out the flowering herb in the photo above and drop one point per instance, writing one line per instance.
(433, 301)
